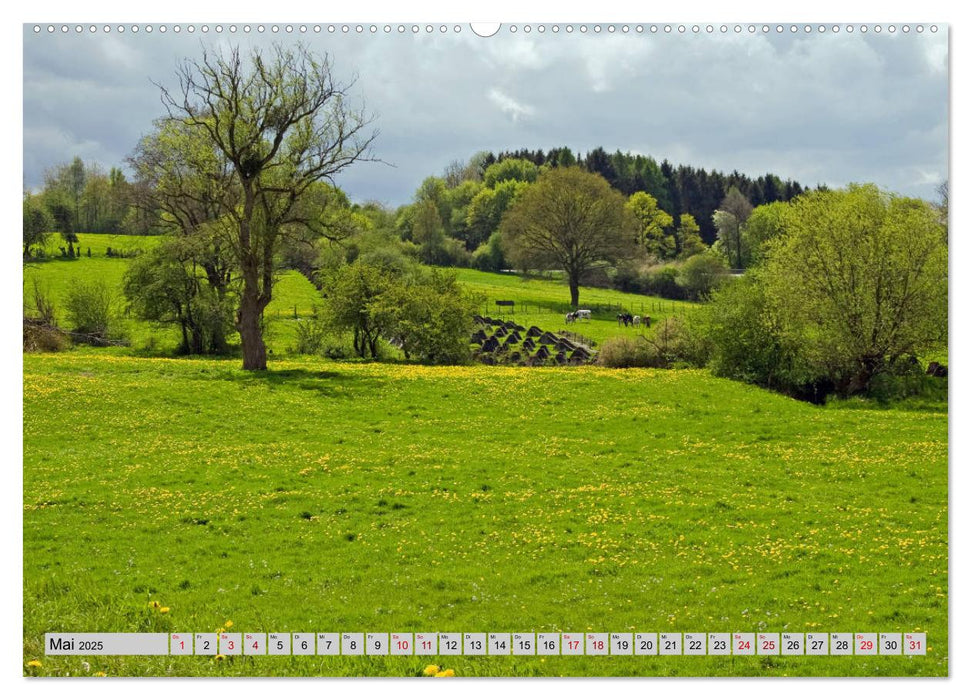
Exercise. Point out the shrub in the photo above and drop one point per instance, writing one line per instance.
(311, 334)
(44, 305)
(702, 273)
(623, 351)
(488, 257)
(89, 308)
(429, 317)
(39, 337)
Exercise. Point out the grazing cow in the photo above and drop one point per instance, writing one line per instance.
(637, 320)
(585, 314)
(571, 317)
(647, 321)
(625, 318)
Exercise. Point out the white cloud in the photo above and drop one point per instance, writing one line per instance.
(510, 106)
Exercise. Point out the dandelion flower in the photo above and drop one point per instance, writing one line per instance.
(447, 673)
(229, 623)
(163, 610)
(100, 674)
(431, 670)
(34, 663)
(219, 657)
(155, 604)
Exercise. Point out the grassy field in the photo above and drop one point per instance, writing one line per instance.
(324, 496)
(539, 302)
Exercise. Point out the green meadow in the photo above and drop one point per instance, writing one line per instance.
(540, 302)
(324, 496)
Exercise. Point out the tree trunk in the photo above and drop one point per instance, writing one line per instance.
(574, 290)
(185, 337)
(250, 335)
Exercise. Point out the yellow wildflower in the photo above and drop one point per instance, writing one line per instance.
(155, 604)
(219, 657)
(163, 610)
(229, 623)
(100, 674)
(447, 673)
(34, 663)
(431, 670)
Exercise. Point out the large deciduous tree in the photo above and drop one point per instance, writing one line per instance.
(571, 220)
(282, 123)
(858, 280)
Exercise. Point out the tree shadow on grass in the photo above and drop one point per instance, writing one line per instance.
(330, 383)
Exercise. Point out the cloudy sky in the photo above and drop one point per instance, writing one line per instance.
(833, 108)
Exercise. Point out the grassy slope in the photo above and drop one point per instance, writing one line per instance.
(546, 300)
(348, 497)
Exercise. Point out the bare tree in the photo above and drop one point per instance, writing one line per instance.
(282, 123)
(729, 219)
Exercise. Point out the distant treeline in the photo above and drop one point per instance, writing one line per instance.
(677, 188)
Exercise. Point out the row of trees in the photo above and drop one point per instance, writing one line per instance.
(76, 197)
(677, 188)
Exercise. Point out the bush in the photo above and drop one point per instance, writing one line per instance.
(623, 351)
(746, 343)
(672, 345)
(702, 273)
(44, 305)
(311, 334)
(429, 317)
(90, 307)
(488, 257)
(39, 337)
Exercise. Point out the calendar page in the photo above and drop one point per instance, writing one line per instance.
(435, 349)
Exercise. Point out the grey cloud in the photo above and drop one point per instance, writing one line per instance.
(817, 108)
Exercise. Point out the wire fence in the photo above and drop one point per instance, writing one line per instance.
(511, 307)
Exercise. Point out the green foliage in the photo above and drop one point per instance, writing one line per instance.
(569, 220)
(352, 294)
(765, 224)
(486, 209)
(37, 225)
(91, 309)
(515, 169)
(311, 336)
(662, 281)
(858, 281)
(702, 273)
(488, 257)
(688, 238)
(429, 317)
(654, 226)
(167, 286)
(746, 344)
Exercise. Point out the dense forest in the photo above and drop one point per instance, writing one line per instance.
(678, 189)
